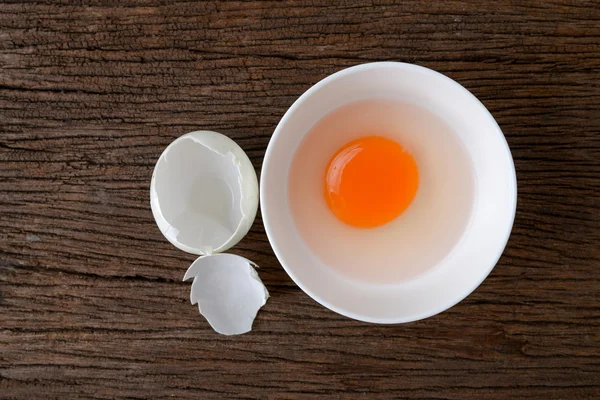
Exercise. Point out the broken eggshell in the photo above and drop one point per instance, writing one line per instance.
(204, 198)
(228, 292)
(204, 193)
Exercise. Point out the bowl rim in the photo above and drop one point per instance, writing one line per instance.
(267, 159)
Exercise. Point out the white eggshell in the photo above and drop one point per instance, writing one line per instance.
(204, 193)
(228, 292)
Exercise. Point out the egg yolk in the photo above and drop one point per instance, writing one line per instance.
(370, 181)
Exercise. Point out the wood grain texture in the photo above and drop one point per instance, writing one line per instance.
(92, 304)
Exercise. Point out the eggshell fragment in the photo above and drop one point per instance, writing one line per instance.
(228, 292)
(204, 193)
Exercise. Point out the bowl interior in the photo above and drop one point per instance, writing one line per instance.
(470, 259)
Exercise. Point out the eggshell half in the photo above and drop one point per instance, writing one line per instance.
(204, 193)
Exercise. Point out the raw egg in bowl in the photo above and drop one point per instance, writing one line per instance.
(388, 192)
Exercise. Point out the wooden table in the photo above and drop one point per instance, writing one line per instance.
(92, 303)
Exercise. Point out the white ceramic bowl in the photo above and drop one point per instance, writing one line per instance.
(491, 219)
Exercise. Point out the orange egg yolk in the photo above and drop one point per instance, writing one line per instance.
(370, 181)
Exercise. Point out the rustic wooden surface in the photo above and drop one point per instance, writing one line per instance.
(92, 300)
